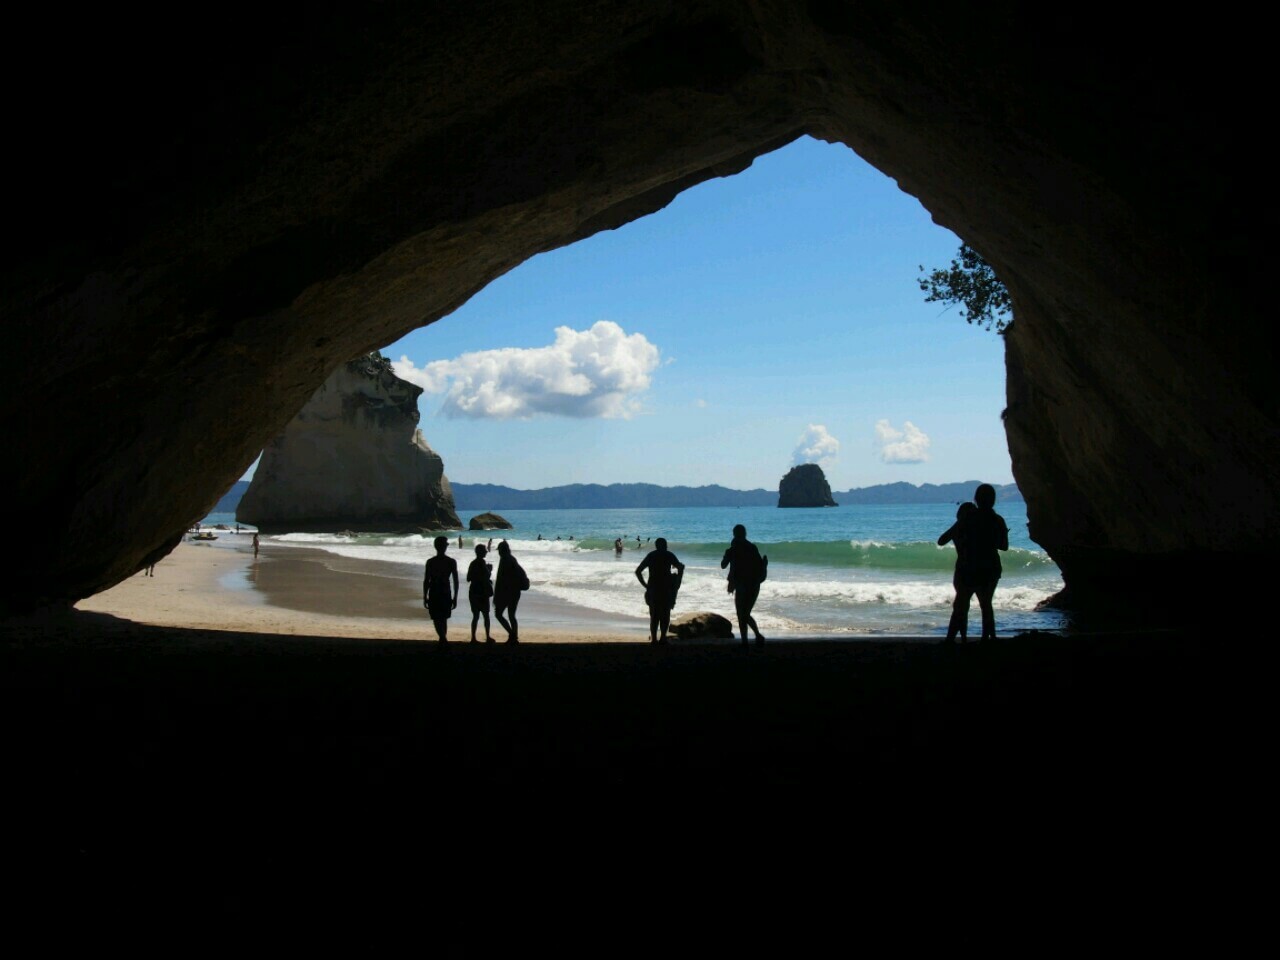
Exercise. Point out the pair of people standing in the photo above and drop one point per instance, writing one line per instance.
(440, 590)
(979, 534)
(747, 570)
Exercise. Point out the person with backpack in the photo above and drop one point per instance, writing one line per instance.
(747, 570)
(510, 582)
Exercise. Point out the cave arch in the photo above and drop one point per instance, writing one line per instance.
(273, 204)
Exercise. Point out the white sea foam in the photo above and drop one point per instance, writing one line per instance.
(801, 597)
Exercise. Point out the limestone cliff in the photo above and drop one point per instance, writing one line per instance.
(352, 459)
(805, 486)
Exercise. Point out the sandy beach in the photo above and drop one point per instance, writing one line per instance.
(299, 592)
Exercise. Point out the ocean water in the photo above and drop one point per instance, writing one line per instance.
(849, 571)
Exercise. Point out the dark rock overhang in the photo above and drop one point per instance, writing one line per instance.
(205, 230)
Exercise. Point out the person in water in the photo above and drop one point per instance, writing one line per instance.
(479, 590)
(661, 589)
(962, 579)
(437, 596)
(747, 570)
(508, 585)
(617, 546)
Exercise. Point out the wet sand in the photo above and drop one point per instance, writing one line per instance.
(302, 592)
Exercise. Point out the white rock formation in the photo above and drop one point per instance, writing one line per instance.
(352, 459)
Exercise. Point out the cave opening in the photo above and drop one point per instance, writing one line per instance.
(758, 321)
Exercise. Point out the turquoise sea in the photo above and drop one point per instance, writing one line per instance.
(852, 571)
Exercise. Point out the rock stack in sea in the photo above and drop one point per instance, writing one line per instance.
(352, 459)
(805, 486)
(489, 521)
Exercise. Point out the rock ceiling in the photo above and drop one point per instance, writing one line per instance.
(202, 233)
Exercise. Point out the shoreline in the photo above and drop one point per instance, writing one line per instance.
(298, 591)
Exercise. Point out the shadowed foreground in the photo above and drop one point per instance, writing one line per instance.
(141, 709)
(198, 754)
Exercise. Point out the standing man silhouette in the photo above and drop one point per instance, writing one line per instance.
(985, 534)
(437, 597)
(662, 587)
(747, 570)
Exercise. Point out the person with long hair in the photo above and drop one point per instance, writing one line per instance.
(509, 584)
(479, 591)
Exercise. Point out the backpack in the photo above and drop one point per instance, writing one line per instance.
(750, 567)
(524, 578)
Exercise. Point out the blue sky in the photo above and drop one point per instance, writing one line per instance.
(757, 321)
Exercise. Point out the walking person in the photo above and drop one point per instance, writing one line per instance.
(510, 582)
(437, 595)
(255, 545)
(662, 587)
(962, 579)
(479, 590)
(747, 570)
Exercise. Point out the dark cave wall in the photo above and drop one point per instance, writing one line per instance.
(206, 232)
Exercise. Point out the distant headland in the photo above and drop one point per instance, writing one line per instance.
(594, 496)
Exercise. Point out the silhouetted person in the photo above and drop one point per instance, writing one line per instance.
(985, 534)
(617, 547)
(747, 570)
(508, 585)
(479, 590)
(660, 592)
(437, 596)
(962, 580)
(255, 546)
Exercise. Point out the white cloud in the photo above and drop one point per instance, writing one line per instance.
(816, 445)
(598, 372)
(908, 445)
(700, 403)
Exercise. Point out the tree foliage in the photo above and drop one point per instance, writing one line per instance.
(971, 283)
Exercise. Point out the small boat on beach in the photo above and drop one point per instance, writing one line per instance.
(204, 535)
